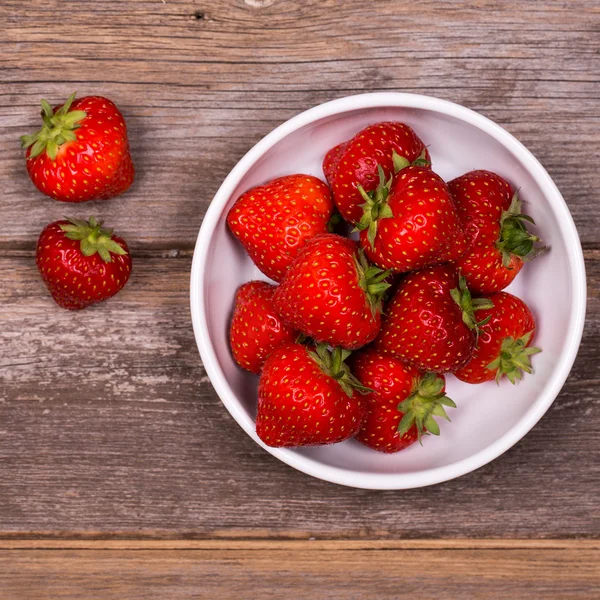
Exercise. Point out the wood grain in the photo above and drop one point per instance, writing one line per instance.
(200, 82)
(303, 570)
(109, 428)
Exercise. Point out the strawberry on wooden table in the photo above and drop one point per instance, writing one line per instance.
(496, 230)
(410, 221)
(81, 262)
(504, 344)
(332, 294)
(256, 329)
(355, 162)
(403, 403)
(81, 152)
(308, 397)
(275, 220)
(430, 321)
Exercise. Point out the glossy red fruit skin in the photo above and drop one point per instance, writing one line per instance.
(256, 329)
(510, 317)
(481, 197)
(425, 229)
(74, 280)
(275, 220)
(355, 161)
(423, 325)
(97, 166)
(392, 382)
(299, 405)
(320, 295)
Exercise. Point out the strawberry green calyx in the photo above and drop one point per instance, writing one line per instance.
(332, 363)
(462, 296)
(514, 237)
(514, 358)
(426, 401)
(375, 206)
(400, 162)
(371, 280)
(59, 127)
(94, 238)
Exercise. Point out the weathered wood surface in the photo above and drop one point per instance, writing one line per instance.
(303, 570)
(200, 82)
(108, 426)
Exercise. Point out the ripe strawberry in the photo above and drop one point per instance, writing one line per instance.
(81, 153)
(256, 330)
(504, 342)
(275, 220)
(430, 321)
(354, 162)
(307, 397)
(82, 263)
(410, 221)
(332, 294)
(402, 404)
(496, 231)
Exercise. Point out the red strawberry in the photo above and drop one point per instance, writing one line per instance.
(411, 222)
(307, 397)
(496, 231)
(503, 347)
(82, 263)
(275, 220)
(355, 162)
(256, 330)
(402, 404)
(332, 294)
(81, 153)
(430, 322)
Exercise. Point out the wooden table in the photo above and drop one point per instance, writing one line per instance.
(121, 473)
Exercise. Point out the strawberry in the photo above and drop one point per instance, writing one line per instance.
(274, 221)
(354, 162)
(430, 321)
(497, 235)
(82, 263)
(332, 294)
(81, 152)
(256, 330)
(504, 342)
(402, 404)
(307, 397)
(410, 221)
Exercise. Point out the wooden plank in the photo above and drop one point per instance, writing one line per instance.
(201, 83)
(302, 570)
(109, 428)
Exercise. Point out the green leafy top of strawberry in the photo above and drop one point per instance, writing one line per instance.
(514, 358)
(371, 280)
(332, 363)
(462, 296)
(58, 128)
(514, 238)
(375, 206)
(426, 401)
(94, 238)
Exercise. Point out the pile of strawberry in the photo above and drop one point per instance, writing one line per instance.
(356, 338)
(81, 153)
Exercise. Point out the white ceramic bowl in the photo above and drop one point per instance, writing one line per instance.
(489, 418)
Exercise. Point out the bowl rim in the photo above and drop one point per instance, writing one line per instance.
(390, 481)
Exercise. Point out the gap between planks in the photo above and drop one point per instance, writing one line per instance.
(307, 544)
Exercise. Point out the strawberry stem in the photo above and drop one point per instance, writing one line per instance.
(371, 280)
(514, 359)
(93, 238)
(58, 128)
(426, 401)
(468, 305)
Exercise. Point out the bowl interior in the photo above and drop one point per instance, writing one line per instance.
(485, 412)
